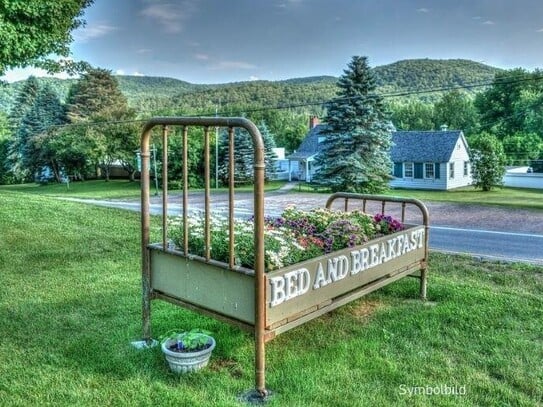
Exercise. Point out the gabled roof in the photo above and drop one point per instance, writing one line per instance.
(421, 146)
(408, 146)
(309, 146)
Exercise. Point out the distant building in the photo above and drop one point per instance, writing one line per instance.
(422, 159)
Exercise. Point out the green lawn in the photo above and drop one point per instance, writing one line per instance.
(99, 189)
(505, 197)
(70, 301)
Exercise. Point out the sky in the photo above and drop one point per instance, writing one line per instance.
(221, 41)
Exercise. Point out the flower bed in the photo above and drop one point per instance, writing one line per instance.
(291, 238)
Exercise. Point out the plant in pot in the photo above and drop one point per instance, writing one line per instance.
(187, 351)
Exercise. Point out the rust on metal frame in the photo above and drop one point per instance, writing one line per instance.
(259, 169)
(404, 202)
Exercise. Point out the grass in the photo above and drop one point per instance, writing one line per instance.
(70, 301)
(99, 189)
(504, 197)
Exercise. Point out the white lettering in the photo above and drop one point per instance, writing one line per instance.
(356, 266)
(277, 290)
(383, 255)
(365, 253)
(413, 240)
(391, 251)
(304, 280)
(291, 284)
(400, 244)
(374, 250)
(320, 280)
(406, 247)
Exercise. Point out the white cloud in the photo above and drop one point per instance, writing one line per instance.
(20, 74)
(423, 10)
(170, 16)
(93, 31)
(540, 30)
(202, 57)
(253, 78)
(488, 22)
(119, 72)
(136, 73)
(144, 51)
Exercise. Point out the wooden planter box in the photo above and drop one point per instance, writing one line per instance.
(296, 293)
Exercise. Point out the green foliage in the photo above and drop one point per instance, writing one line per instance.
(71, 274)
(456, 110)
(244, 155)
(497, 104)
(96, 97)
(412, 115)
(31, 30)
(417, 75)
(355, 152)
(521, 148)
(188, 341)
(488, 161)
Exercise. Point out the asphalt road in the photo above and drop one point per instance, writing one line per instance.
(509, 246)
(481, 241)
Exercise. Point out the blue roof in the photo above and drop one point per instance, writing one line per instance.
(408, 146)
(309, 146)
(421, 146)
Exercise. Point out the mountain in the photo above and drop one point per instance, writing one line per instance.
(410, 78)
(414, 76)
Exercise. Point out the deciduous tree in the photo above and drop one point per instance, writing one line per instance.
(488, 161)
(31, 30)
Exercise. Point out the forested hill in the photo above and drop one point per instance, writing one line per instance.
(422, 74)
(163, 95)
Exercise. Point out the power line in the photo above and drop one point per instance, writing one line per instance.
(504, 81)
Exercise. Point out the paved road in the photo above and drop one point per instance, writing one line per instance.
(508, 246)
(504, 234)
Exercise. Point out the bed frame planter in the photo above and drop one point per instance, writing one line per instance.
(266, 304)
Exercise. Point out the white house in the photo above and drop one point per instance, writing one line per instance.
(430, 160)
(422, 159)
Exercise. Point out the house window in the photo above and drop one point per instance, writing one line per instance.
(429, 170)
(408, 170)
(466, 168)
(451, 170)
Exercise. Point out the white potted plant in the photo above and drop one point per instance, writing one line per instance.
(188, 351)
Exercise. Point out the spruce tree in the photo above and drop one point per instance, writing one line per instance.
(244, 155)
(46, 112)
(23, 103)
(354, 155)
(269, 154)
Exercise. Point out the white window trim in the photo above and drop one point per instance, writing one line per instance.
(426, 165)
(405, 165)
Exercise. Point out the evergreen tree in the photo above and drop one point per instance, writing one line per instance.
(269, 154)
(23, 103)
(488, 161)
(96, 97)
(47, 111)
(244, 155)
(355, 152)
